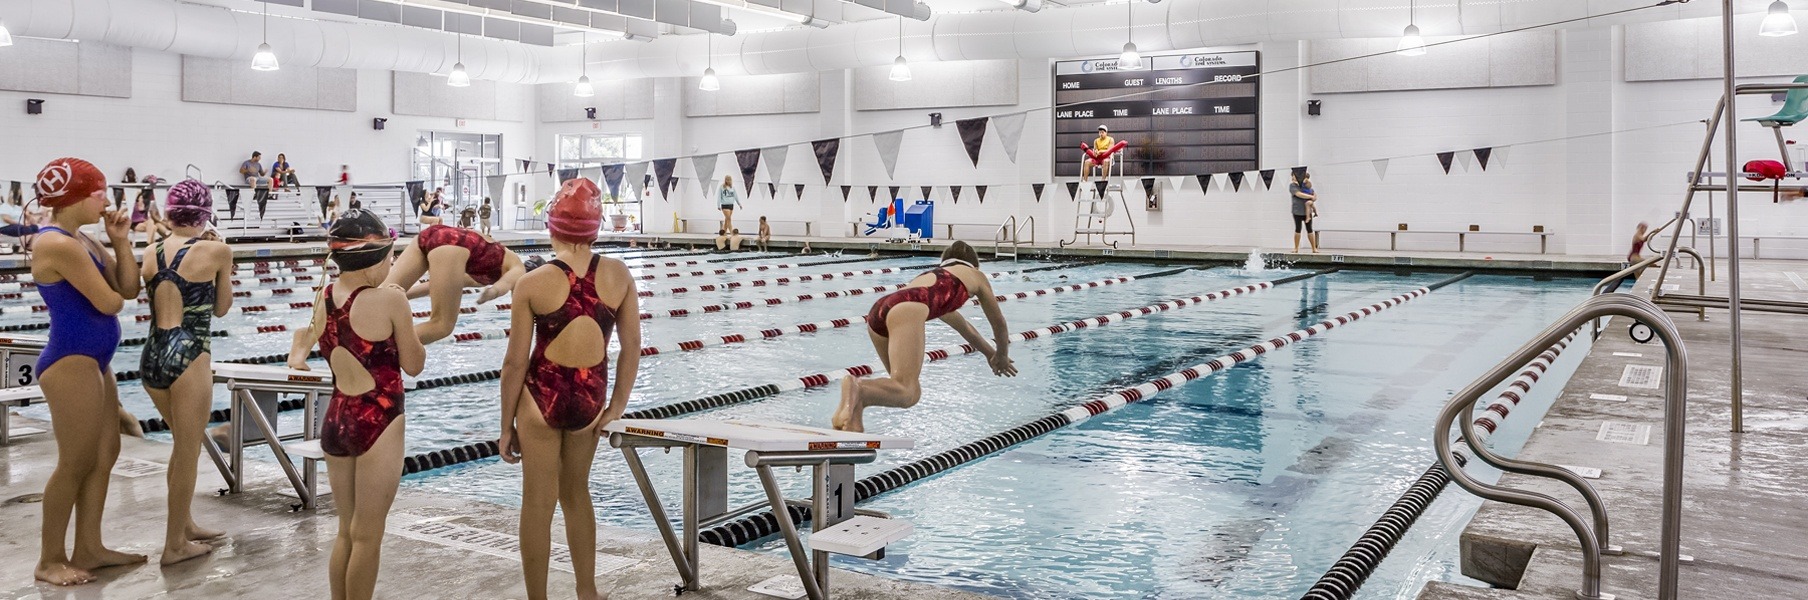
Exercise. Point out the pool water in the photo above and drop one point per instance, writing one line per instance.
(1244, 484)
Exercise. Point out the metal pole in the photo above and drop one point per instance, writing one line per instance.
(1713, 232)
(1732, 228)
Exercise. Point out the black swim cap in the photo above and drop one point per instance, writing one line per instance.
(358, 240)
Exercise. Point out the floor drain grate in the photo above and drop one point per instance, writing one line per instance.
(135, 468)
(1644, 377)
(1621, 432)
(493, 543)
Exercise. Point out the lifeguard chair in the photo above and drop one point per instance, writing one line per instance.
(1093, 214)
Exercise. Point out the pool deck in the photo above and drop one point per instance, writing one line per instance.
(1745, 521)
(1484, 261)
(271, 552)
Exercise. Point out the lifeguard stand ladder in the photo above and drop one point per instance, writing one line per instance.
(1092, 215)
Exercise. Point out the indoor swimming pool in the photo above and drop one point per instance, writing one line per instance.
(1243, 484)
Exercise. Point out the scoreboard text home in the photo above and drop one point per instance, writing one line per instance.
(1182, 114)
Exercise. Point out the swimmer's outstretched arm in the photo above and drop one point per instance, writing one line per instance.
(511, 273)
(1001, 332)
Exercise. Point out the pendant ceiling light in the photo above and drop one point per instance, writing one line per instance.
(709, 83)
(264, 60)
(458, 77)
(583, 89)
(6, 37)
(900, 68)
(1411, 43)
(1778, 23)
(1130, 59)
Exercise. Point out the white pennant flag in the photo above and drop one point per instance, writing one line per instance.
(636, 173)
(1465, 158)
(1010, 131)
(704, 165)
(775, 161)
(1380, 168)
(888, 144)
(1176, 181)
(1499, 157)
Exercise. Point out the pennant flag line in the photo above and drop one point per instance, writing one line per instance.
(1148, 187)
(1010, 132)
(1236, 181)
(981, 191)
(1099, 188)
(927, 190)
(1444, 158)
(1177, 181)
(662, 168)
(775, 161)
(1267, 178)
(1481, 156)
(772, 190)
(637, 174)
(894, 193)
(1205, 183)
(749, 161)
(973, 136)
(799, 190)
(872, 193)
(845, 190)
(1380, 168)
(955, 192)
(826, 153)
(704, 165)
(887, 143)
(612, 176)
(1037, 187)
(1073, 190)
(1464, 158)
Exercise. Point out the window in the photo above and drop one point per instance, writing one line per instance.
(458, 162)
(592, 150)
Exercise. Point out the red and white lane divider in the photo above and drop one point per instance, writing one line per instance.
(723, 271)
(1503, 405)
(822, 379)
(1125, 396)
(783, 280)
(777, 300)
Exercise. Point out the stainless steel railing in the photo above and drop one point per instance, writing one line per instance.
(1590, 538)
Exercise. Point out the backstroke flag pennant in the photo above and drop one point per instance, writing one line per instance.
(927, 190)
(826, 153)
(973, 135)
(1099, 188)
(1037, 188)
(1148, 187)
(1465, 158)
(1236, 181)
(1010, 131)
(1380, 168)
(1500, 155)
(1073, 190)
(593, 173)
(704, 165)
(894, 193)
(845, 190)
(1267, 178)
(981, 190)
(564, 174)
(498, 185)
(749, 161)
(1482, 155)
(1176, 181)
(637, 174)
(775, 161)
(872, 193)
(955, 192)
(612, 176)
(888, 143)
(662, 168)
(772, 190)
(1444, 158)
(1205, 182)
(799, 190)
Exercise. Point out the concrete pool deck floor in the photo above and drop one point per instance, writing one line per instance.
(271, 552)
(1745, 520)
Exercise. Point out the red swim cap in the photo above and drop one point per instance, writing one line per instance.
(576, 213)
(66, 181)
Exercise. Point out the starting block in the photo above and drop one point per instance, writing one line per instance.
(256, 391)
(19, 354)
(830, 454)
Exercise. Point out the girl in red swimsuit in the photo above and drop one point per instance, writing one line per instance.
(457, 258)
(367, 334)
(556, 396)
(897, 324)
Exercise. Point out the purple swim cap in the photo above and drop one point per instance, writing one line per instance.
(189, 203)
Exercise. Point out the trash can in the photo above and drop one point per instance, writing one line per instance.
(919, 218)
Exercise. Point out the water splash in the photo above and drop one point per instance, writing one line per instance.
(1255, 264)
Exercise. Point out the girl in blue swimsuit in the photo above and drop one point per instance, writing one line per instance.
(189, 281)
(84, 288)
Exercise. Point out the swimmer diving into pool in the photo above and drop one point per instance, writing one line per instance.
(457, 258)
(897, 324)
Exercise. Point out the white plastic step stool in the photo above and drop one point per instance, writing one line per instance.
(861, 535)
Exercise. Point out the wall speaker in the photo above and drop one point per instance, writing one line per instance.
(935, 119)
(34, 106)
(377, 123)
(590, 112)
(1313, 107)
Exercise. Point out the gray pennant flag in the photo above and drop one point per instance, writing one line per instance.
(775, 161)
(1010, 131)
(704, 165)
(637, 173)
(888, 144)
(1380, 168)
(498, 185)
(594, 174)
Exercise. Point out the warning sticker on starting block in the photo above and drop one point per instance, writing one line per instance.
(818, 446)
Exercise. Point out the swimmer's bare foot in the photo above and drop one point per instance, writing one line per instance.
(850, 388)
(104, 558)
(62, 573)
(197, 533)
(184, 551)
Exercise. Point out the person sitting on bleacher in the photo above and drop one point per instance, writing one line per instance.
(283, 173)
(253, 172)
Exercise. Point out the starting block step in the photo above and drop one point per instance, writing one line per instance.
(306, 449)
(861, 535)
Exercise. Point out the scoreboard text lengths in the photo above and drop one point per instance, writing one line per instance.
(1183, 114)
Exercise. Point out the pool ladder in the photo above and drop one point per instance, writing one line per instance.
(1010, 233)
(1592, 537)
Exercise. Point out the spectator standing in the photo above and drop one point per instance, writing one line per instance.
(483, 217)
(467, 217)
(119, 193)
(1303, 198)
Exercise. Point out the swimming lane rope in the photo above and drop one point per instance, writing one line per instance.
(760, 525)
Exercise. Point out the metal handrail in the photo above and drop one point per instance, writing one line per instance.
(998, 238)
(1017, 233)
(1675, 404)
(1701, 276)
(1601, 286)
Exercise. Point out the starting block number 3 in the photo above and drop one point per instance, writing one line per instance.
(21, 369)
